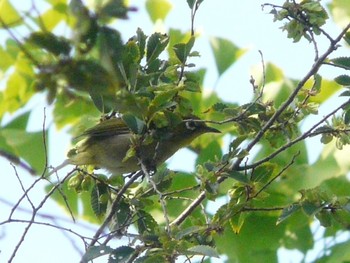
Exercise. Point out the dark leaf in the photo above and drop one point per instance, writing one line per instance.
(343, 80)
(135, 124)
(51, 43)
(98, 199)
(342, 61)
(238, 176)
(156, 44)
(347, 117)
(141, 41)
(95, 252)
(183, 50)
(347, 38)
(110, 50)
(121, 255)
(121, 218)
(146, 223)
(114, 8)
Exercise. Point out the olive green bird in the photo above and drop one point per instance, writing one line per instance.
(105, 145)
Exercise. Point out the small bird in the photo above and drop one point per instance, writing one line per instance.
(105, 145)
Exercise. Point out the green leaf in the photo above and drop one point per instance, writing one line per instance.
(53, 16)
(121, 254)
(287, 212)
(135, 124)
(326, 138)
(342, 61)
(263, 173)
(156, 44)
(202, 250)
(158, 9)
(225, 53)
(8, 14)
(337, 253)
(50, 42)
(115, 9)
(340, 10)
(183, 50)
(110, 50)
(325, 218)
(121, 217)
(342, 216)
(6, 60)
(98, 202)
(192, 2)
(146, 223)
(347, 38)
(240, 177)
(85, 26)
(347, 117)
(189, 231)
(141, 41)
(19, 122)
(163, 98)
(343, 80)
(23, 144)
(311, 208)
(95, 252)
(237, 222)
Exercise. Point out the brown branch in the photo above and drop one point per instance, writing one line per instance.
(114, 207)
(305, 135)
(282, 108)
(269, 123)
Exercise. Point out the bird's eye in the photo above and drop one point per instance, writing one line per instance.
(191, 125)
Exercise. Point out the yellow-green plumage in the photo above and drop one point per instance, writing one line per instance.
(106, 144)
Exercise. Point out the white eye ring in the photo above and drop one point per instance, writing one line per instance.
(191, 125)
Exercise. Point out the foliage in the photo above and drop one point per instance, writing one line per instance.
(272, 197)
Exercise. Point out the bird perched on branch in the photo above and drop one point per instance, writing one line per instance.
(106, 144)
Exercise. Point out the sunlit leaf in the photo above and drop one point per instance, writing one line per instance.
(24, 144)
(225, 53)
(340, 10)
(8, 14)
(158, 9)
(53, 16)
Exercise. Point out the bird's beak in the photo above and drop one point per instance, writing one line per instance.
(210, 129)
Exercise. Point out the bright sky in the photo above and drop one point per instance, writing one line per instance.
(243, 22)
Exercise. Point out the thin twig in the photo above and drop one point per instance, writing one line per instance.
(290, 99)
(32, 220)
(114, 207)
(160, 194)
(307, 134)
(276, 176)
(258, 137)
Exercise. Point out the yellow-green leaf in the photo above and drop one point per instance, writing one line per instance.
(225, 53)
(158, 9)
(8, 14)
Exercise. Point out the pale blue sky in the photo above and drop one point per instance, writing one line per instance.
(243, 22)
